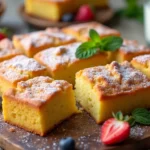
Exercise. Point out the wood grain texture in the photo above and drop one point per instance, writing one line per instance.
(81, 127)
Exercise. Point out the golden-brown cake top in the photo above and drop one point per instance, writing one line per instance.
(42, 38)
(12, 76)
(6, 44)
(59, 56)
(143, 60)
(7, 49)
(39, 90)
(19, 68)
(132, 46)
(115, 79)
(84, 28)
(22, 63)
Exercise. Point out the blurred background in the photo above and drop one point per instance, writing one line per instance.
(131, 28)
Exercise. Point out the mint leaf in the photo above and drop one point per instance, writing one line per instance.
(86, 50)
(142, 116)
(96, 44)
(94, 36)
(111, 43)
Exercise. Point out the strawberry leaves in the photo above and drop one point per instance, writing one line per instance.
(138, 115)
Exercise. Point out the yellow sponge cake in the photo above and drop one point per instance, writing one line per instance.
(32, 43)
(62, 63)
(39, 104)
(130, 49)
(81, 31)
(105, 89)
(7, 50)
(17, 69)
(50, 9)
(142, 63)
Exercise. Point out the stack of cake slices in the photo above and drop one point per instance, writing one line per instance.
(39, 73)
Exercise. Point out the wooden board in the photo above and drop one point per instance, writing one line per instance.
(81, 127)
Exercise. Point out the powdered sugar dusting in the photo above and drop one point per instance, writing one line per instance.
(58, 56)
(42, 38)
(39, 89)
(84, 28)
(115, 79)
(143, 59)
(132, 46)
(23, 63)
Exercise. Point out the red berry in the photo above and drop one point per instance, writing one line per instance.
(85, 13)
(114, 131)
(2, 36)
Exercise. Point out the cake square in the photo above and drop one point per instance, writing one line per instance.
(130, 49)
(7, 50)
(53, 9)
(32, 43)
(18, 69)
(81, 31)
(142, 63)
(39, 104)
(115, 87)
(61, 62)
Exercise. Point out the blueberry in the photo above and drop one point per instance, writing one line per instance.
(67, 144)
(67, 17)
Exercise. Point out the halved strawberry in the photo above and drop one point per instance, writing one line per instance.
(115, 130)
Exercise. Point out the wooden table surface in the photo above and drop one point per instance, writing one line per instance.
(81, 127)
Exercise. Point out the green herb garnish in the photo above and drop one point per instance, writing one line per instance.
(139, 115)
(96, 44)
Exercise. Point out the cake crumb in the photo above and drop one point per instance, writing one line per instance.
(12, 129)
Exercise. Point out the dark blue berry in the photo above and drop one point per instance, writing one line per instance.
(67, 17)
(67, 144)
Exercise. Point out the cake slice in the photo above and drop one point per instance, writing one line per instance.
(7, 50)
(130, 49)
(115, 87)
(61, 62)
(18, 69)
(53, 9)
(32, 43)
(39, 104)
(81, 31)
(142, 63)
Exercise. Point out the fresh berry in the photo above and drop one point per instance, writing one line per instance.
(4, 32)
(67, 17)
(2, 36)
(115, 130)
(67, 144)
(84, 13)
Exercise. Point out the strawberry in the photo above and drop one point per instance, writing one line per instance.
(2, 36)
(4, 32)
(115, 130)
(84, 13)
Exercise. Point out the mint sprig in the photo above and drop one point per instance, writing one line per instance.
(142, 116)
(138, 115)
(96, 44)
